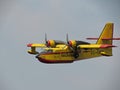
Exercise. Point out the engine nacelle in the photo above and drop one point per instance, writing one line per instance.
(53, 43)
(74, 43)
(50, 43)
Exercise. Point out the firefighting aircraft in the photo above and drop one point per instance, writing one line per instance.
(55, 51)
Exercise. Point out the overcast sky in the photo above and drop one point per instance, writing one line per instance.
(26, 21)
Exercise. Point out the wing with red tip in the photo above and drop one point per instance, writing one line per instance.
(107, 46)
(34, 46)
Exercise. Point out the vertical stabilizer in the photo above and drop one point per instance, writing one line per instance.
(106, 35)
(106, 38)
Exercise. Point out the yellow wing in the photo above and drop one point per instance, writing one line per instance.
(89, 46)
(34, 46)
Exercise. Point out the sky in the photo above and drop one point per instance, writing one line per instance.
(27, 21)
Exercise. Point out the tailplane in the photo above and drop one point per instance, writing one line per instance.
(106, 39)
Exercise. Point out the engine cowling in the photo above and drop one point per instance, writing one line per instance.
(74, 43)
(50, 43)
(53, 43)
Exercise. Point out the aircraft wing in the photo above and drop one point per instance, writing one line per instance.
(96, 46)
(34, 46)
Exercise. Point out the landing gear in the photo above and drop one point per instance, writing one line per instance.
(75, 53)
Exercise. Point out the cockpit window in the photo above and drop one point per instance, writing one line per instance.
(42, 50)
(49, 50)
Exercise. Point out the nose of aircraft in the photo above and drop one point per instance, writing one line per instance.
(39, 58)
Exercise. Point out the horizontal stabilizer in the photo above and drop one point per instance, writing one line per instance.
(107, 46)
(103, 38)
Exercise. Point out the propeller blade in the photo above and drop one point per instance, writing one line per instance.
(67, 38)
(45, 38)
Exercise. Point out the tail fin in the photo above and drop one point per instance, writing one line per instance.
(106, 35)
(106, 38)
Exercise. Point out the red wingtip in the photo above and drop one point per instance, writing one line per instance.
(29, 45)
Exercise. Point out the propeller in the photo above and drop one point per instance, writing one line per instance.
(74, 49)
(67, 38)
(46, 38)
(46, 41)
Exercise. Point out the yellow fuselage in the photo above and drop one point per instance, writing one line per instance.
(60, 55)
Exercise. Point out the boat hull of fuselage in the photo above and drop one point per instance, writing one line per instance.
(63, 57)
(55, 57)
(54, 61)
